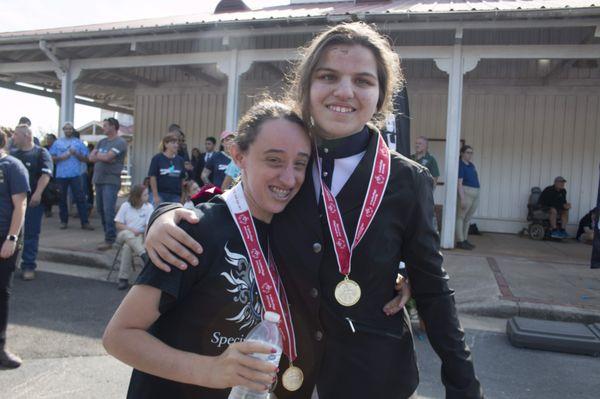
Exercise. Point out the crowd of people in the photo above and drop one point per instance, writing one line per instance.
(32, 179)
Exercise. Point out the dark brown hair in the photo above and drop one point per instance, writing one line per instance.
(261, 112)
(135, 196)
(464, 148)
(113, 122)
(389, 73)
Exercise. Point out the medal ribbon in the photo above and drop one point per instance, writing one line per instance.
(267, 277)
(380, 174)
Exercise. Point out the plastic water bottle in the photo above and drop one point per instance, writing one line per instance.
(265, 332)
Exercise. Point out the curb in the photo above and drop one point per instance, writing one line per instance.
(506, 309)
(499, 308)
(86, 259)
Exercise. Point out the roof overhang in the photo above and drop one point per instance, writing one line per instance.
(239, 24)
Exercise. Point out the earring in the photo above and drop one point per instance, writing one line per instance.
(312, 121)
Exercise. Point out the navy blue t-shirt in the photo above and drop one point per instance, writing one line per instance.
(468, 173)
(169, 173)
(217, 165)
(37, 161)
(13, 180)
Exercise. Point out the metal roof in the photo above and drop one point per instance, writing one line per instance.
(300, 12)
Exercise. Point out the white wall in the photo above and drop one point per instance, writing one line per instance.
(522, 137)
(198, 109)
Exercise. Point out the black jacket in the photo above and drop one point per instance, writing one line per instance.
(378, 360)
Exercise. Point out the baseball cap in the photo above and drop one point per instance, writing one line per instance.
(559, 179)
(226, 133)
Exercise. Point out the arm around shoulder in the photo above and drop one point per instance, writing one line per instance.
(167, 243)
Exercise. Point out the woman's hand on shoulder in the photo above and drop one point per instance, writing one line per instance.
(236, 367)
(404, 294)
(168, 244)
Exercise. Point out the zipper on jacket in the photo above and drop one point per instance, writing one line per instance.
(357, 326)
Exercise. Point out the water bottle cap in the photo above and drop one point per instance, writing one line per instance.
(272, 317)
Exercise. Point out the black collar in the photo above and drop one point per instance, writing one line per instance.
(344, 147)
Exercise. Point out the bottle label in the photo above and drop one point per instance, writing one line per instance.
(268, 357)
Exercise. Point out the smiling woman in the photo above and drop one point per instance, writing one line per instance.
(199, 317)
(358, 58)
(273, 171)
(344, 90)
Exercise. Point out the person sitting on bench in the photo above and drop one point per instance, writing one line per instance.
(554, 199)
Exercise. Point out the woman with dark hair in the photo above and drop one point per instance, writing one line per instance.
(14, 186)
(167, 172)
(468, 197)
(361, 210)
(183, 331)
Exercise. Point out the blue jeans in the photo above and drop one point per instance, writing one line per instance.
(75, 184)
(106, 201)
(31, 236)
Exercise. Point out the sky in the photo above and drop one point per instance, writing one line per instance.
(17, 15)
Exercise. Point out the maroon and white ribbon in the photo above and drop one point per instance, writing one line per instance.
(270, 288)
(380, 174)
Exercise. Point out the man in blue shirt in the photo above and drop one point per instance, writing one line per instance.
(69, 153)
(468, 197)
(214, 170)
(39, 165)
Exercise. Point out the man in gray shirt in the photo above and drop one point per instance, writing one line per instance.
(108, 158)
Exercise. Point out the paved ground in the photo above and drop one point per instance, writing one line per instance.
(510, 373)
(506, 274)
(56, 324)
(57, 321)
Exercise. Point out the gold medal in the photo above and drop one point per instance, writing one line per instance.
(292, 378)
(347, 292)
